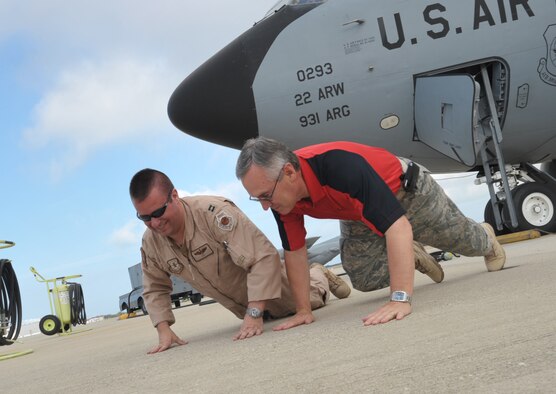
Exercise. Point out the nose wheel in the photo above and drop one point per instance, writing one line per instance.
(489, 218)
(535, 204)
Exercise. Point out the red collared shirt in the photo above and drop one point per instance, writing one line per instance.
(346, 181)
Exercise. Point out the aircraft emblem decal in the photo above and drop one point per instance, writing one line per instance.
(547, 66)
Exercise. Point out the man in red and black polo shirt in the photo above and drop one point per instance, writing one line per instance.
(380, 217)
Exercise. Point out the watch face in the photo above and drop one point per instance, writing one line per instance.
(254, 312)
(400, 296)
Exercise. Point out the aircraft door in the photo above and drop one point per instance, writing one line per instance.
(446, 115)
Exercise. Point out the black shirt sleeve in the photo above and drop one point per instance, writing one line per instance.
(350, 173)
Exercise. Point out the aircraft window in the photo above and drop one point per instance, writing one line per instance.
(283, 3)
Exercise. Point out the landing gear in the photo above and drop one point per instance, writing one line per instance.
(526, 196)
(490, 219)
(534, 198)
(535, 204)
(522, 197)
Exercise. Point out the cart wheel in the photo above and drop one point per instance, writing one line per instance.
(50, 325)
(142, 306)
(196, 298)
(67, 327)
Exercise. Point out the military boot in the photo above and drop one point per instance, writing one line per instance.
(427, 264)
(496, 259)
(337, 286)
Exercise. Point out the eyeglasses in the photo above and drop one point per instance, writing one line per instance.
(157, 212)
(268, 197)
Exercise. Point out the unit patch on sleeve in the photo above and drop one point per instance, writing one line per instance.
(224, 221)
(143, 257)
(175, 266)
(202, 252)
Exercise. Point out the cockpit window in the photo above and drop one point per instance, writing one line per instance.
(283, 3)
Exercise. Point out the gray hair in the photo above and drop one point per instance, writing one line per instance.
(269, 154)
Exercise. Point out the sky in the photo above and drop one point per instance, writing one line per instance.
(84, 87)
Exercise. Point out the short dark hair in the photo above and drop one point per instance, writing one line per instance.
(147, 179)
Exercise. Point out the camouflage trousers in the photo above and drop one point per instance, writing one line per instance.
(436, 222)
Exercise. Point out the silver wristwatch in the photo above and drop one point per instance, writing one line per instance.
(400, 296)
(254, 313)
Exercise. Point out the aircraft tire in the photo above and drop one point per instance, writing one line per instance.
(549, 168)
(535, 205)
(489, 218)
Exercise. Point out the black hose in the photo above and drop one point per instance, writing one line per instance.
(10, 303)
(77, 304)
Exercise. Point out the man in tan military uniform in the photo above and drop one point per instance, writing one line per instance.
(211, 244)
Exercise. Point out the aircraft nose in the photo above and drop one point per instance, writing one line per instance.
(215, 102)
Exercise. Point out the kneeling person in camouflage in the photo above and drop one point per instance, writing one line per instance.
(210, 243)
(385, 203)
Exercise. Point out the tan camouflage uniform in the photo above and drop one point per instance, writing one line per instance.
(436, 222)
(224, 256)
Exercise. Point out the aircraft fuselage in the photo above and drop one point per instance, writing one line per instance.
(346, 70)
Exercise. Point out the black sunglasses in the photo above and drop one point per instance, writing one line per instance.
(157, 212)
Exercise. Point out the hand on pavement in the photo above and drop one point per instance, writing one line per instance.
(389, 311)
(250, 327)
(166, 338)
(298, 319)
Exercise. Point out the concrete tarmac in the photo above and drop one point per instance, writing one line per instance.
(477, 332)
